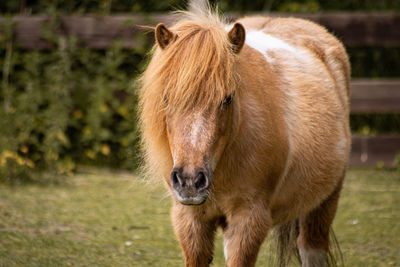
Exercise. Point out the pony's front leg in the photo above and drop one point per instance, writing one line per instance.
(195, 234)
(244, 234)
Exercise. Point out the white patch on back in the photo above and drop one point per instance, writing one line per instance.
(264, 42)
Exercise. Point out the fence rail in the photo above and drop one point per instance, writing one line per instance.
(354, 29)
(379, 29)
(375, 96)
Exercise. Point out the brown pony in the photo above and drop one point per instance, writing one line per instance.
(247, 124)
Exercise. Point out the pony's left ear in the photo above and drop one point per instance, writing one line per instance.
(237, 36)
(163, 36)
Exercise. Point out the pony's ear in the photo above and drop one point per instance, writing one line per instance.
(163, 36)
(237, 36)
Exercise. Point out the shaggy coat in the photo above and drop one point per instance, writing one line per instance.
(247, 124)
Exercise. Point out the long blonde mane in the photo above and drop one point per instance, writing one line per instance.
(196, 71)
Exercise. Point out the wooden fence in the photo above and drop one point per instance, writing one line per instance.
(354, 29)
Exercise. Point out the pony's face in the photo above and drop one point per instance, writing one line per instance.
(200, 107)
(197, 141)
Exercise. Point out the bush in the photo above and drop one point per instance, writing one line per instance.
(66, 105)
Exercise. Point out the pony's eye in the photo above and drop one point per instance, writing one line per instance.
(227, 100)
(165, 100)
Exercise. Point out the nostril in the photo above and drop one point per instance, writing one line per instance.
(201, 181)
(176, 181)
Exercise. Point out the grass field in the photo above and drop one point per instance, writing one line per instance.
(103, 218)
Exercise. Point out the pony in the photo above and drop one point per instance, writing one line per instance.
(247, 124)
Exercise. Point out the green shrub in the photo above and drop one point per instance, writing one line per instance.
(66, 105)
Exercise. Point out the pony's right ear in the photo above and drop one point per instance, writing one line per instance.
(237, 36)
(163, 36)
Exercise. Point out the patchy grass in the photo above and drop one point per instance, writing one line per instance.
(368, 221)
(102, 218)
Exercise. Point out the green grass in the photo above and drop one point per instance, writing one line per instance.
(102, 218)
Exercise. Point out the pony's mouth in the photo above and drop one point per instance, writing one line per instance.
(191, 200)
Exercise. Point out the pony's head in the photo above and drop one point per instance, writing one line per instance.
(190, 87)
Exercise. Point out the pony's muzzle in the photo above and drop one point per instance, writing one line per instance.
(190, 188)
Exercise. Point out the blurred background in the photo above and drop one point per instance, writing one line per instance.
(69, 140)
(68, 71)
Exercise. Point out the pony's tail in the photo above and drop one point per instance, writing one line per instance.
(335, 255)
(285, 237)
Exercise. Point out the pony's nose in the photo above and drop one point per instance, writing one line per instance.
(189, 182)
